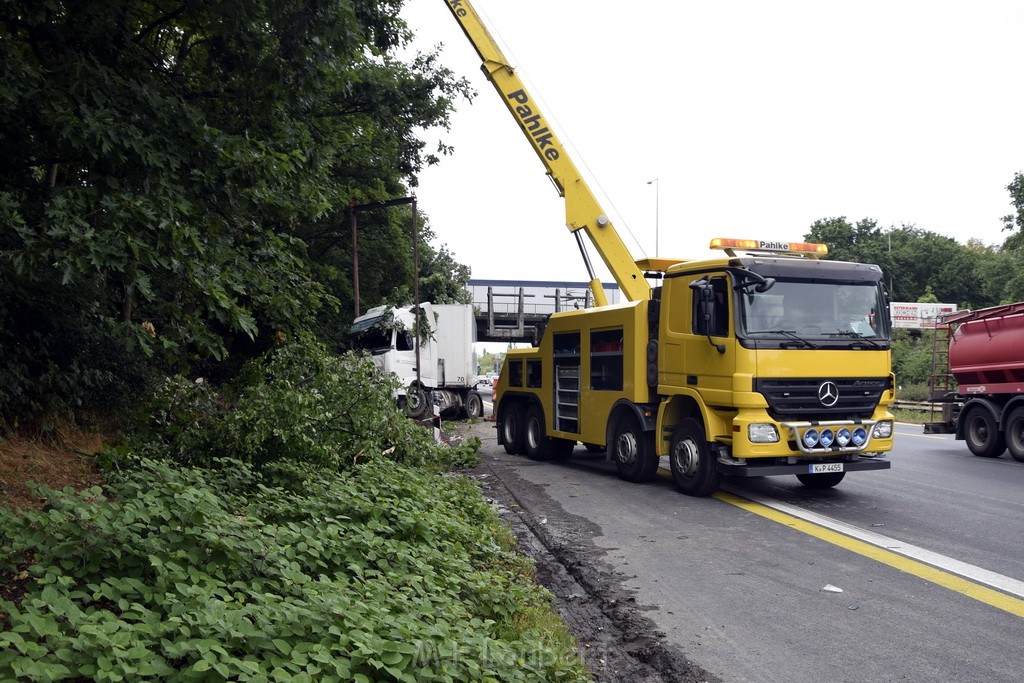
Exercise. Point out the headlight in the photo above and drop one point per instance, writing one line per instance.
(762, 433)
(827, 437)
(810, 438)
(843, 436)
(860, 437)
(883, 430)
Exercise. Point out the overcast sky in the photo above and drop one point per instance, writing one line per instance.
(757, 118)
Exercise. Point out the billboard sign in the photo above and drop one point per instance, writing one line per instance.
(917, 316)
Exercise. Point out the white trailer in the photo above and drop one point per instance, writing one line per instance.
(447, 360)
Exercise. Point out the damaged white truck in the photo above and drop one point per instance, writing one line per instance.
(439, 367)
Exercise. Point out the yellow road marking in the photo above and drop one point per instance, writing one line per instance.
(961, 585)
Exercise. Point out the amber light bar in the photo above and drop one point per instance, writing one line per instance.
(802, 248)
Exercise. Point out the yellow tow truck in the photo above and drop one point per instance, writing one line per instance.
(765, 361)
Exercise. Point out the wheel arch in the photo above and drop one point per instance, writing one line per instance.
(645, 416)
(994, 409)
(677, 409)
(1011, 405)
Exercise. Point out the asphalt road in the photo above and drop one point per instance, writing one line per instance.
(910, 574)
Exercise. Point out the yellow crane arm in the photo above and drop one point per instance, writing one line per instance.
(582, 210)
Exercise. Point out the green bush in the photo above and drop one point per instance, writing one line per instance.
(381, 572)
(912, 392)
(296, 527)
(295, 404)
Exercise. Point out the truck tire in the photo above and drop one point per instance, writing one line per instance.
(537, 444)
(825, 480)
(632, 449)
(694, 469)
(416, 403)
(474, 406)
(511, 422)
(982, 433)
(1015, 434)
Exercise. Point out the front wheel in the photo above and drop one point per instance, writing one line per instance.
(416, 403)
(825, 480)
(1015, 434)
(982, 433)
(633, 450)
(694, 469)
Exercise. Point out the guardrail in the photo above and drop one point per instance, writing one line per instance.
(925, 406)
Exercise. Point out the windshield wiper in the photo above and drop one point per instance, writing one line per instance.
(792, 335)
(868, 343)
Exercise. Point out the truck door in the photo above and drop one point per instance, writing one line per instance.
(699, 337)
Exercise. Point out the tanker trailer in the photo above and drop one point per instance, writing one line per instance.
(986, 358)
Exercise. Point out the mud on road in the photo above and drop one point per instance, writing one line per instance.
(618, 643)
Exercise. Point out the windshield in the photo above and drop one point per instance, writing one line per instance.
(370, 335)
(814, 310)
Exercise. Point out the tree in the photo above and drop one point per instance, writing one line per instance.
(162, 163)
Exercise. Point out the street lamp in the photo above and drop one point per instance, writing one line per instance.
(655, 183)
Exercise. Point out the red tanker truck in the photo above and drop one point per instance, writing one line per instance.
(986, 358)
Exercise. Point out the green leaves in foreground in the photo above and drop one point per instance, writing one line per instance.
(382, 572)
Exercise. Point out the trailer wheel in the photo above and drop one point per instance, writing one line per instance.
(825, 480)
(416, 403)
(982, 434)
(510, 422)
(474, 406)
(632, 449)
(1015, 434)
(694, 469)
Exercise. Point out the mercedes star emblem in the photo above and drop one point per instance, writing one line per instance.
(828, 394)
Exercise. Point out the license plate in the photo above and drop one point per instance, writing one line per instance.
(827, 467)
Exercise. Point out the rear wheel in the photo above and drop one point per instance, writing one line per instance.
(540, 446)
(510, 422)
(474, 405)
(982, 433)
(825, 480)
(633, 450)
(693, 467)
(536, 437)
(1015, 434)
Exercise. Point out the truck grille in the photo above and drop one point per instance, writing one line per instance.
(798, 398)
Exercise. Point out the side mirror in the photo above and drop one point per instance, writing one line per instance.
(706, 302)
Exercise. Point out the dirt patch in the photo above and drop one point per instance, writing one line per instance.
(618, 643)
(66, 461)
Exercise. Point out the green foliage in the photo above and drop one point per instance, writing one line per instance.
(296, 404)
(912, 356)
(174, 176)
(913, 392)
(382, 572)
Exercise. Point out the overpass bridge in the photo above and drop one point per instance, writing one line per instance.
(518, 310)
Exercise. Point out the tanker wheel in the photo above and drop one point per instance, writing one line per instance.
(632, 449)
(1015, 434)
(982, 433)
(694, 468)
(474, 405)
(825, 480)
(511, 422)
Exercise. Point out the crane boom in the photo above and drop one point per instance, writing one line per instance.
(582, 210)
